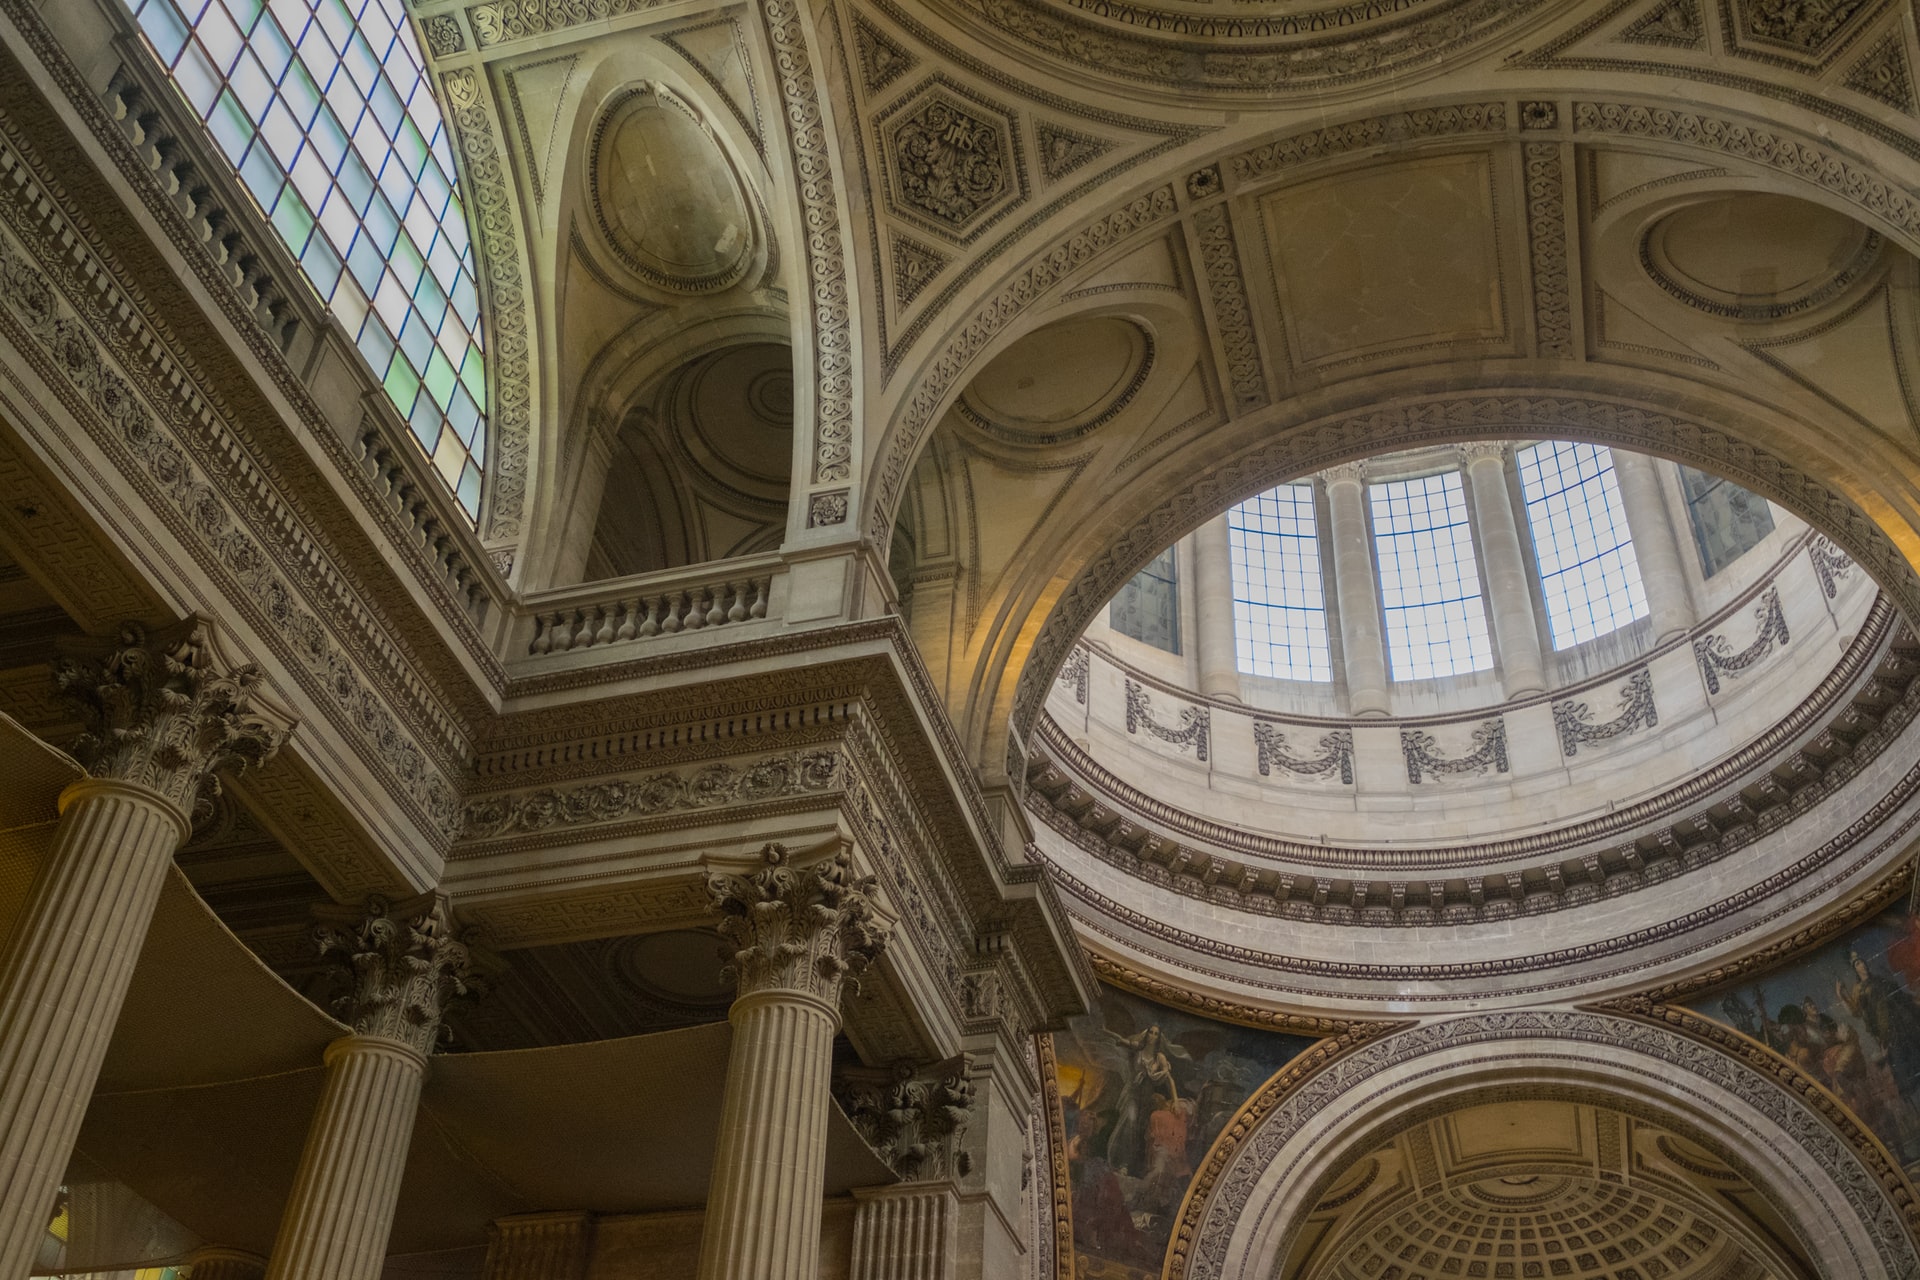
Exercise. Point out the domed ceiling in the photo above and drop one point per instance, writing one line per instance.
(1524, 1189)
(1667, 797)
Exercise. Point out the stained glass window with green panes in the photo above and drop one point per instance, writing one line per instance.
(325, 111)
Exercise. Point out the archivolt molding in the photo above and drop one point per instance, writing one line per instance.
(502, 266)
(1843, 1174)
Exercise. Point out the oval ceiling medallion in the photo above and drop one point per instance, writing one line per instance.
(1757, 256)
(664, 195)
(1060, 382)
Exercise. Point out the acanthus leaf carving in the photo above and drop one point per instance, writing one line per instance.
(407, 963)
(810, 929)
(159, 714)
(915, 1119)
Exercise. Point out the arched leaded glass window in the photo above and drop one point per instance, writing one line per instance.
(1589, 575)
(1279, 597)
(1429, 578)
(324, 110)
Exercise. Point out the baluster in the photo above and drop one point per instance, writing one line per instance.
(671, 623)
(628, 608)
(542, 634)
(651, 627)
(718, 613)
(760, 588)
(738, 610)
(563, 631)
(696, 608)
(605, 634)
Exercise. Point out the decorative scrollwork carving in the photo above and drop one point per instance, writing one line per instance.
(1196, 723)
(1716, 656)
(796, 773)
(1489, 752)
(158, 714)
(407, 963)
(809, 929)
(1336, 754)
(1574, 719)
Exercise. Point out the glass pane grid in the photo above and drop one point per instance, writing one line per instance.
(1148, 608)
(1429, 578)
(1279, 597)
(1589, 576)
(324, 110)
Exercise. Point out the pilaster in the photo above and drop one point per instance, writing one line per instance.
(1504, 561)
(1363, 639)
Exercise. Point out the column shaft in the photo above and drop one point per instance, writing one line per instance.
(1522, 667)
(340, 1211)
(1219, 664)
(905, 1233)
(64, 973)
(1654, 544)
(769, 1165)
(1357, 588)
(216, 1262)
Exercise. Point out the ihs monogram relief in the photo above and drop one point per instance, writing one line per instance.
(950, 161)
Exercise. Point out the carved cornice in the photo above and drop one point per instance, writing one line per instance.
(159, 713)
(407, 964)
(808, 929)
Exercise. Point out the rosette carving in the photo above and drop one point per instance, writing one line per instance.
(159, 713)
(809, 929)
(408, 964)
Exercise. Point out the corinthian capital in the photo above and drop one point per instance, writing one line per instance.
(1495, 450)
(915, 1120)
(160, 713)
(805, 929)
(407, 962)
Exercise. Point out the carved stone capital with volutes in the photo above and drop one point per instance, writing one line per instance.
(407, 962)
(915, 1119)
(159, 712)
(810, 929)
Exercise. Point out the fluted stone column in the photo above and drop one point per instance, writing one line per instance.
(1654, 544)
(1213, 610)
(908, 1232)
(160, 721)
(797, 934)
(407, 964)
(1522, 669)
(917, 1122)
(1363, 642)
(218, 1262)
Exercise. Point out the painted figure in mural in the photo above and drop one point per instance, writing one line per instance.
(1151, 1075)
(1891, 1016)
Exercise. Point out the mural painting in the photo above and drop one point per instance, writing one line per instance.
(1848, 1015)
(1144, 1091)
